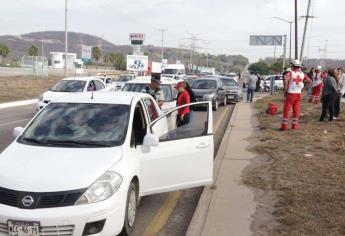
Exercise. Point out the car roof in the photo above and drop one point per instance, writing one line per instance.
(147, 80)
(123, 98)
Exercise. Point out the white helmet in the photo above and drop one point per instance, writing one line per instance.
(296, 63)
(288, 69)
(319, 68)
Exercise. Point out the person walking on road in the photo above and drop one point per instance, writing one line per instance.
(252, 80)
(293, 85)
(328, 96)
(183, 99)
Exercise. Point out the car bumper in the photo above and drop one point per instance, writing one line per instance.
(234, 97)
(70, 221)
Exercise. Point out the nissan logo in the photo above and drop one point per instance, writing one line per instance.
(27, 201)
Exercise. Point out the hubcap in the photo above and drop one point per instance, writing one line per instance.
(132, 206)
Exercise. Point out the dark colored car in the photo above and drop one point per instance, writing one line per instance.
(210, 89)
(233, 90)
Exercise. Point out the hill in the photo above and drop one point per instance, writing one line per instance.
(54, 41)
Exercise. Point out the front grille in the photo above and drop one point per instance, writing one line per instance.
(61, 230)
(40, 200)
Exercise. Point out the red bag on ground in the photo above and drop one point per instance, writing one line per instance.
(272, 109)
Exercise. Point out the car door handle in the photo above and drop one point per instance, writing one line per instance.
(202, 145)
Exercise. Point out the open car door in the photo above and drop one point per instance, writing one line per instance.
(181, 157)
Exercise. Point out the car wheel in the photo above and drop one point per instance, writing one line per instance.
(216, 105)
(131, 210)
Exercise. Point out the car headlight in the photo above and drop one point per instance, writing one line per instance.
(40, 98)
(209, 96)
(102, 189)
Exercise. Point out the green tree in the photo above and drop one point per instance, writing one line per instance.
(96, 54)
(4, 51)
(33, 51)
(118, 60)
(260, 67)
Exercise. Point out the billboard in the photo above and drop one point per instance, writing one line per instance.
(266, 40)
(137, 63)
(137, 38)
(86, 53)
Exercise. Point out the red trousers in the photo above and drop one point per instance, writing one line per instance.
(316, 94)
(292, 100)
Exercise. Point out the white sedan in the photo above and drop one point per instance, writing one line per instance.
(71, 85)
(83, 162)
(278, 82)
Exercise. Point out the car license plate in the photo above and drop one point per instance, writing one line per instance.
(23, 228)
(231, 97)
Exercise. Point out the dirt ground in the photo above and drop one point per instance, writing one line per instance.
(16, 88)
(299, 176)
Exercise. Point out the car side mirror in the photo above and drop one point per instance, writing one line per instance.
(150, 140)
(17, 131)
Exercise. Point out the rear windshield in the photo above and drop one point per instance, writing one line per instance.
(140, 88)
(69, 86)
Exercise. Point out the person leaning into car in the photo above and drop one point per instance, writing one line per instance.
(183, 114)
(154, 89)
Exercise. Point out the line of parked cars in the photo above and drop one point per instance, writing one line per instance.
(83, 162)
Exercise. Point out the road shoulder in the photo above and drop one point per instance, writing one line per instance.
(227, 207)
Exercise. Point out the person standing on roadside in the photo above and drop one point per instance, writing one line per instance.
(183, 99)
(342, 81)
(252, 80)
(316, 87)
(328, 96)
(293, 85)
(337, 102)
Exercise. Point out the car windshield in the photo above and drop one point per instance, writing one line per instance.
(171, 71)
(80, 125)
(69, 86)
(124, 78)
(168, 97)
(229, 82)
(204, 84)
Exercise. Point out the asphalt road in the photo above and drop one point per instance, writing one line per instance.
(160, 214)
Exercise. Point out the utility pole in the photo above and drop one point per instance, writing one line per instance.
(324, 54)
(296, 30)
(42, 48)
(284, 59)
(193, 47)
(305, 29)
(66, 40)
(163, 31)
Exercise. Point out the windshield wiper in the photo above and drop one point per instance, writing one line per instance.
(76, 143)
(32, 140)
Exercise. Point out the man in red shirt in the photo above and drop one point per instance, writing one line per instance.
(183, 114)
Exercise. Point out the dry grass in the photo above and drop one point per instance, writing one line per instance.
(24, 87)
(305, 170)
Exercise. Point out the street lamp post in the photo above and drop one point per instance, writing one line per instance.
(290, 22)
(66, 39)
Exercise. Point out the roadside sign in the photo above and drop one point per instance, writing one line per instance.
(137, 38)
(137, 63)
(86, 53)
(266, 40)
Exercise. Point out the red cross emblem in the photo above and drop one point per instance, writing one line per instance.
(297, 80)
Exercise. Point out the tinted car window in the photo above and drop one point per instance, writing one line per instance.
(66, 124)
(167, 90)
(204, 84)
(69, 86)
(99, 85)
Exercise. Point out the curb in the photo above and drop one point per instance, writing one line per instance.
(17, 103)
(199, 217)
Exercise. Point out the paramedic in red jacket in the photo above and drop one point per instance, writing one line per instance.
(316, 86)
(183, 114)
(293, 85)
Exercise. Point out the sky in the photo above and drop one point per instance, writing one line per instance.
(223, 26)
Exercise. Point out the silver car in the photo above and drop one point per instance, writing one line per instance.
(233, 90)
